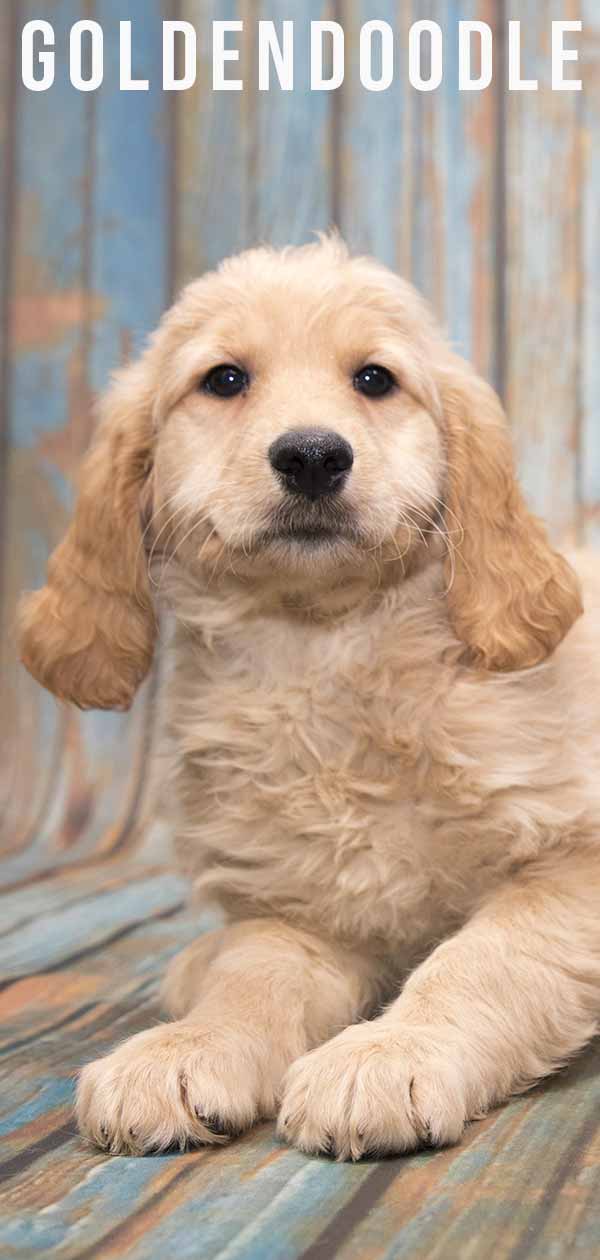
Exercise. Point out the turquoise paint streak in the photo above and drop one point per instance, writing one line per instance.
(53, 937)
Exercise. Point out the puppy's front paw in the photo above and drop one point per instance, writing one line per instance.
(373, 1090)
(175, 1085)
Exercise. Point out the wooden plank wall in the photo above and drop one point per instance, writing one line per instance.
(110, 201)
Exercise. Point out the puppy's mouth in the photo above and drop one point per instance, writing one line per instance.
(302, 535)
(319, 526)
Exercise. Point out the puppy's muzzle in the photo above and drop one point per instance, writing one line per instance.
(311, 462)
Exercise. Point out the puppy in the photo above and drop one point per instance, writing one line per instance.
(383, 709)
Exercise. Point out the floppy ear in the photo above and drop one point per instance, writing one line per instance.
(89, 634)
(511, 597)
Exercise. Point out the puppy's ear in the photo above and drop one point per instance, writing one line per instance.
(511, 597)
(89, 634)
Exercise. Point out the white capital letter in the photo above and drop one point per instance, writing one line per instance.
(465, 31)
(172, 83)
(434, 31)
(560, 54)
(221, 54)
(317, 82)
(97, 67)
(366, 56)
(45, 59)
(127, 84)
(283, 59)
(515, 82)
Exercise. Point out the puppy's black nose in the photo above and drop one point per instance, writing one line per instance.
(312, 462)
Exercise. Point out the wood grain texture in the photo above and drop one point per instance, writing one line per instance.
(48, 432)
(292, 185)
(214, 152)
(129, 277)
(543, 143)
(490, 203)
(91, 280)
(589, 433)
(418, 175)
(523, 1184)
(7, 128)
(7, 139)
(455, 211)
(242, 170)
(375, 179)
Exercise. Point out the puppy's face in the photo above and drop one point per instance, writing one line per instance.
(298, 420)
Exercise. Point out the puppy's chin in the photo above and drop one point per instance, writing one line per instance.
(316, 557)
(313, 552)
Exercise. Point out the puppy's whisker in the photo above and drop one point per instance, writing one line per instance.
(216, 564)
(451, 548)
(141, 547)
(178, 511)
(202, 520)
(452, 544)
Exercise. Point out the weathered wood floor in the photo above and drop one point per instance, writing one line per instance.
(108, 203)
(79, 970)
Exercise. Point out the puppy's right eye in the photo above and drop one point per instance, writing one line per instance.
(374, 381)
(226, 380)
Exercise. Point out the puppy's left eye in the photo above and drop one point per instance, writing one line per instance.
(373, 381)
(226, 380)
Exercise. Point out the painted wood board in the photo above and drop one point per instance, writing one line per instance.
(292, 192)
(7, 94)
(214, 162)
(7, 136)
(523, 1184)
(198, 176)
(374, 177)
(129, 274)
(47, 321)
(589, 432)
(453, 155)
(543, 274)
(118, 235)
(418, 174)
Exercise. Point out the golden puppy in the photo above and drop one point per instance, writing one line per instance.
(384, 711)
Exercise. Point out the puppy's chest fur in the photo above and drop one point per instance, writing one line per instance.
(320, 774)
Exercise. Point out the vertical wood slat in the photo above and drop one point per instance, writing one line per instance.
(589, 435)
(415, 183)
(293, 176)
(130, 236)
(251, 165)
(8, 76)
(418, 175)
(8, 31)
(213, 151)
(129, 282)
(47, 318)
(543, 274)
(374, 180)
(7, 79)
(97, 168)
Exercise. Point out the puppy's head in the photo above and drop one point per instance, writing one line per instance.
(298, 420)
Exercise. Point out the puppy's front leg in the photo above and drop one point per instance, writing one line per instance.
(251, 998)
(504, 1002)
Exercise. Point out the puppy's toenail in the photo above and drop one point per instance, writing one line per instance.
(215, 1124)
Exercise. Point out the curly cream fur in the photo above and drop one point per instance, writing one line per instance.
(89, 634)
(385, 749)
